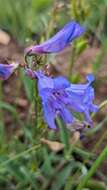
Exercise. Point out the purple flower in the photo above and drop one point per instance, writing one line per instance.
(6, 70)
(60, 97)
(58, 42)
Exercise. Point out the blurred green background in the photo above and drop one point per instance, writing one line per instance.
(28, 160)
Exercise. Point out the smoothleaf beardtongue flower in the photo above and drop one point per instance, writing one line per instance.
(60, 97)
(6, 70)
(59, 41)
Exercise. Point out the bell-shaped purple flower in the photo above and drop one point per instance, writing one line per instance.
(60, 97)
(59, 41)
(6, 70)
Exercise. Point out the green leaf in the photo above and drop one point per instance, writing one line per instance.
(94, 184)
(61, 177)
(47, 166)
(9, 108)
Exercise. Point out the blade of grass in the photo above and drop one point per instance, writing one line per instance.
(9, 108)
(97, 128)
(17, 156)
(93, 169)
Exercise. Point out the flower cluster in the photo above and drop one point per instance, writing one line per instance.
(59, 96)
(6, 70)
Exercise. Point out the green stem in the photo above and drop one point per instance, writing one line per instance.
(1, 97)
(84, 154)
(36, 105)
(99, 142)
(93, 169)
(63, 132)
(19, 155)
(72, 61)
(38, 114)
(101, 106)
